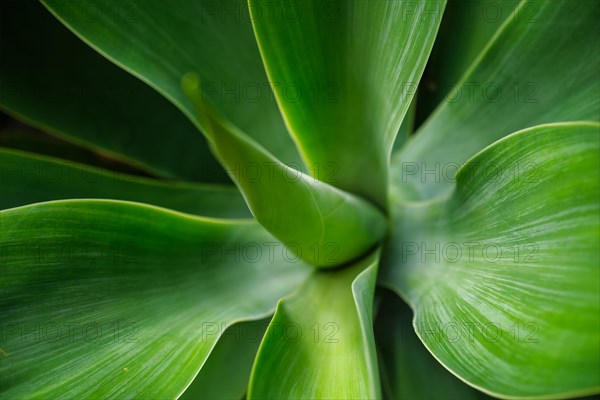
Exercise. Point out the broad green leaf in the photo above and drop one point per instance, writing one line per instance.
(542, 67)
(408, 370)
(227, 371)
(160, 42)
(467, 26)
(52, 80)
(105, 299)
(27, 178)
(320, 342)
(344, 73)
(503, 273)
(324, 225)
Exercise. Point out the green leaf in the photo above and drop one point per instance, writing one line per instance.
(107, 299)
(227, 371)
(324, 225)
(344, 73)
(54, 81)
(503, 273)
(16, 135)
(467, 26)
(320, 342)
(542, 67)
(408, 370)
(27, 178)
(160, 43)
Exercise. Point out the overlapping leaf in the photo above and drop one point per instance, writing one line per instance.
(320, 223)
(320, 341)
(542, 67)
(117, 299)
(160, 44)
(503, 274)
(51, 79)
(344, 73)
(26, 178)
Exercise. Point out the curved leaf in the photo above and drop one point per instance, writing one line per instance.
(17, 135)
(320, 342)
(160, 42)
(324, 225)
(542, 67)
(131, 295)
(54, 81)
(504, 274)
(27, 178)
(354, 67)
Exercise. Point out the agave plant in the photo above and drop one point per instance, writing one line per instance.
(300, 199)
